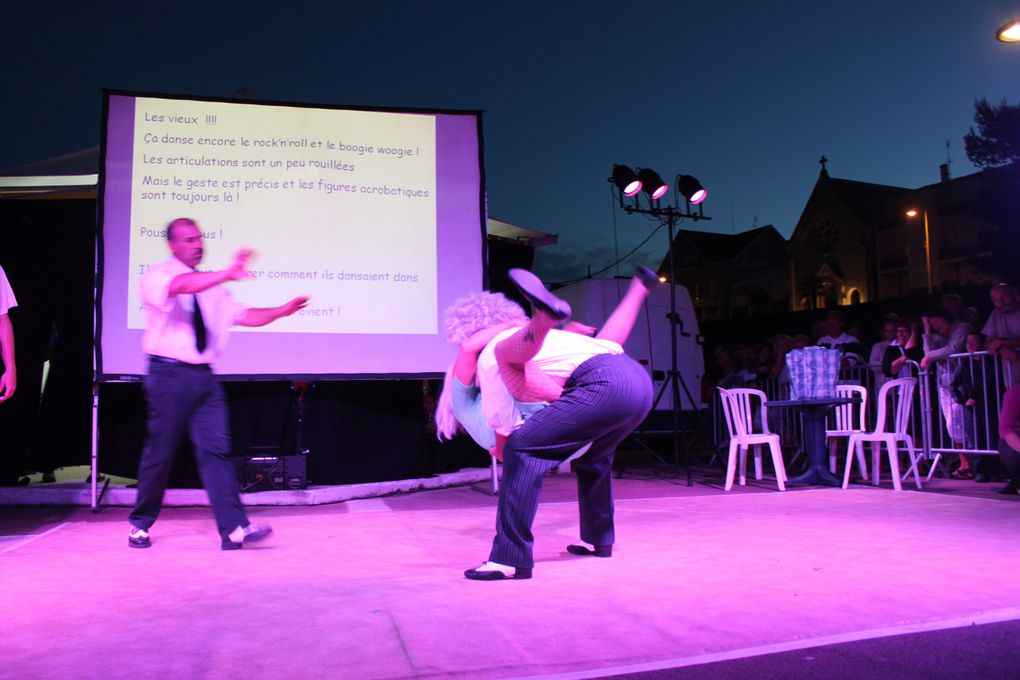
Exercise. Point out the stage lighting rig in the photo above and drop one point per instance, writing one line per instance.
(629, 185)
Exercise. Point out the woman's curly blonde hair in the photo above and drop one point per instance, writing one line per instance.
(472, 313)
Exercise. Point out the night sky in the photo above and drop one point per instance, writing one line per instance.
(745, 96)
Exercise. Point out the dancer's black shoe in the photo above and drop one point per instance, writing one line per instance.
(595, 551)
(537, 294)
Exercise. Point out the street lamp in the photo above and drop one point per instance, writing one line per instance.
(1009, 32)
(912, 212)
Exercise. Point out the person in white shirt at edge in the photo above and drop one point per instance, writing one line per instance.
(837, 338)
(188, 318)
(879, 348)
(9, 378)
(1003, 329)
(943, 337)
(575, 391)
(9, 464)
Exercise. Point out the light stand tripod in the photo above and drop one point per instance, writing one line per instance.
(668, 215)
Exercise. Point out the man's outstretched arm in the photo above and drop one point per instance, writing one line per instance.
(260, 316)
(196, 282)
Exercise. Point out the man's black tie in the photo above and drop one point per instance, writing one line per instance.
(198, 323)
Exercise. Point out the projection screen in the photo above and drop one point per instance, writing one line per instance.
(378, 215)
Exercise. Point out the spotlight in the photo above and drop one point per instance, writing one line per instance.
(691, 189)
(1009, 31)
(625, 180)
(652, 183)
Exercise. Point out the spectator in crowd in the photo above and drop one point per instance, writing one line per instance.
(906, 346)
(764, 361)
(779, 376)
(942, 338)
(837, 338)
(817, 330)
(953, 303)
(878, 349)
(853, 328)
(800, 341)
(974, 387)
(731, 370)
(1003, 328)
(781, 346)
(972, 316)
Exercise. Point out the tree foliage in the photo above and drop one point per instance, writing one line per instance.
(997, 140)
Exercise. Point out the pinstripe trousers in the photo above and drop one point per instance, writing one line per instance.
(604, 399)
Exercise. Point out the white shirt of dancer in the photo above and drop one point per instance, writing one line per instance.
(561, 353)
(7, 299)
(169, 330)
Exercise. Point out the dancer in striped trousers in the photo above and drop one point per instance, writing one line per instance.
(597, 395)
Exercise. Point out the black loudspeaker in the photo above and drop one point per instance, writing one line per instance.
(269, 470)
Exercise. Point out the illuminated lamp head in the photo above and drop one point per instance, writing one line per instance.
(652, 183)
(626, 180)
(691, 189)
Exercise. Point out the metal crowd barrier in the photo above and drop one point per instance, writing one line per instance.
(956, 406)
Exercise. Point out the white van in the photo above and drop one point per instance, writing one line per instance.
(592, 300)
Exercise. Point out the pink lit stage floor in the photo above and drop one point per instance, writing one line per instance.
(373, 588)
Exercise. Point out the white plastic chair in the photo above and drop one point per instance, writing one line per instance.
(901, 392)
(739, 406)
(848, 419)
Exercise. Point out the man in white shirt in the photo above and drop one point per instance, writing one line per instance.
(9, 378)
(837, 338)
(9, 462)
(1003, 328)
(598, 394)
(943, 337)
(879, 348)
(188, 319)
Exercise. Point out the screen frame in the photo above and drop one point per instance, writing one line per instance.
(103, 375)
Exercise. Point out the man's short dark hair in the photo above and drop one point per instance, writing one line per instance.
(177, 220)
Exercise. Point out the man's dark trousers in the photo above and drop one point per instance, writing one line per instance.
(604, 399)
(184, 397)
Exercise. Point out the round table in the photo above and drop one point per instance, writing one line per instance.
(814, 411)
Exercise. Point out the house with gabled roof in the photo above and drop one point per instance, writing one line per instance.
(732, 275)
(860, 242)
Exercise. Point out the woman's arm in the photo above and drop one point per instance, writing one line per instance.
(466, 363)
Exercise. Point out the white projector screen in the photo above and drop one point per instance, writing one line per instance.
(378, 215)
